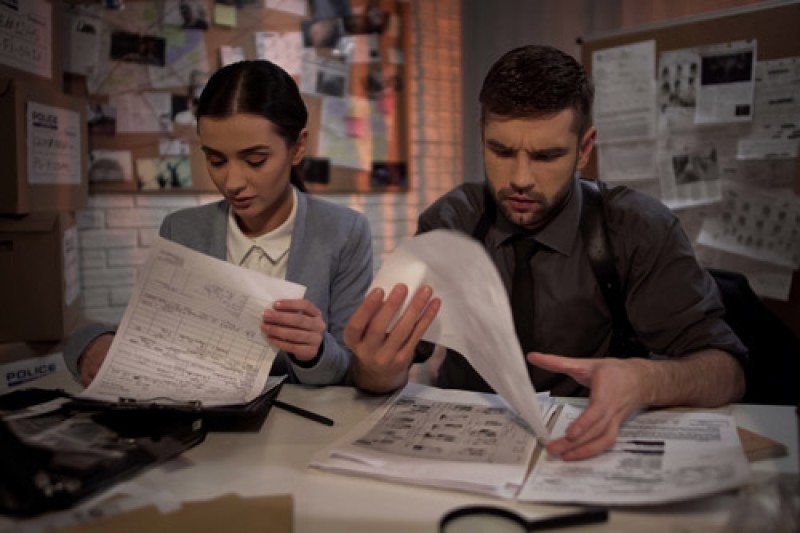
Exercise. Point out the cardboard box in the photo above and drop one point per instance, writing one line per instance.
(39, 276)
(43, 147)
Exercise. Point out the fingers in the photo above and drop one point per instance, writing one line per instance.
(594, 432)
(295, 326)
(382, 359)
(360, 319)
(580, 370)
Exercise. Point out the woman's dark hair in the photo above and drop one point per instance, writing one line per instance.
(257, 88)
(533, 81)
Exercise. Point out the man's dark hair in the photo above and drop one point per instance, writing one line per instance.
(533, 81)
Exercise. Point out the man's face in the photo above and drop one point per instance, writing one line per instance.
(530, 163)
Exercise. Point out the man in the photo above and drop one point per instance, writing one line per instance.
(536, 134)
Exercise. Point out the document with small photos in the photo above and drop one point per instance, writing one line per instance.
(443, 438)
(473, 442)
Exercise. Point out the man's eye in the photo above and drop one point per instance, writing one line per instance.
(546, 157)
(503, 152)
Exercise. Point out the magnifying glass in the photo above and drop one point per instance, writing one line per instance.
(488, 519)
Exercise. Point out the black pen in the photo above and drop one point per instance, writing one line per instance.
(303, 412)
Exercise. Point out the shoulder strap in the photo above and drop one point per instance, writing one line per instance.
(594, 231)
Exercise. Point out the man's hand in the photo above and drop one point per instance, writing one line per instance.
(618, 389)
(381, 361)
(92, 359)
(295, 326)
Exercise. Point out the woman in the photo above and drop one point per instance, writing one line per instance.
(251, 122)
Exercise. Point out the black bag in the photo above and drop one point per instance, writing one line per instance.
(55, 452)
(773, 365)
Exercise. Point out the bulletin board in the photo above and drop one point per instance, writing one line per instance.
(350, 69)
(775, 27)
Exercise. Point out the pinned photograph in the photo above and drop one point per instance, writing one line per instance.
(186, 14)
(323, 33)
(135, 48)
(699, 164)
(102, 119)
(386, 174)
(110, 166)
(164, 173)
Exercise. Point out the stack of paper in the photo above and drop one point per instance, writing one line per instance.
(468, 441)
(443, 438)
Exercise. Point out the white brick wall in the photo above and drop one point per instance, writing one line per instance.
(117, 230)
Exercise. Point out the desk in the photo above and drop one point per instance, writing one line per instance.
(274, 462)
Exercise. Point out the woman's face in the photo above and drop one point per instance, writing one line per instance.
(250, 165)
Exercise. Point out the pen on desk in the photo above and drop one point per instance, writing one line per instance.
(303, 412)
(592, 515)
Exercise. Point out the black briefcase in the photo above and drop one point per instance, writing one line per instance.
(55, 452)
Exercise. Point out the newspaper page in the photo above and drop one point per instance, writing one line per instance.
(451, 439)
(660, 456)
(191, 332)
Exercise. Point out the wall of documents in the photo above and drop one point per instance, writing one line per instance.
(143, 63)
(704, 113)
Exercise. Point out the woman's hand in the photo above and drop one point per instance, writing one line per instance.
(92, 359)
(296, 327)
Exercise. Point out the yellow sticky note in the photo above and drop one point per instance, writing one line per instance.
(225, 15)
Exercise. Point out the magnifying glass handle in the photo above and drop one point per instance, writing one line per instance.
(592, 515)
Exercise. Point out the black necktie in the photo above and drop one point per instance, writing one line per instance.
(522, 292)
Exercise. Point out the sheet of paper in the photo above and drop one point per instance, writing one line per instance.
(678, 79)
(659, 456)
(443, 438)
(727, 74)
(762, 224)
(285, 49)
(692, 166)
(112, 76)
(626, 161)
(296, 7)
(81, 42)
(475, 318)
(191, 332)
(145, 112)
(26, 28)
(54, 145)
(624, 106)
(776, 115)
(335, 142)
(325, 77)
(185, 54)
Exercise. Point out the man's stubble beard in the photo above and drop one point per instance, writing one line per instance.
(546, 212)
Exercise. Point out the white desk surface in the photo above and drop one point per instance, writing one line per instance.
(274, 462)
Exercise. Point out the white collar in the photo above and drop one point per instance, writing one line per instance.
(275, 244)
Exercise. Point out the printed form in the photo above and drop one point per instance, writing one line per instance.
(191, 332)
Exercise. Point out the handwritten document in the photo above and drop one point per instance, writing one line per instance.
(191, 332)
(659, 456)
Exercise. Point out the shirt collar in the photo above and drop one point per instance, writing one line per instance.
(558, 235)
(275, 243)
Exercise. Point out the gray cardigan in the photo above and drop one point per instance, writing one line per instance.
(330, 253)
